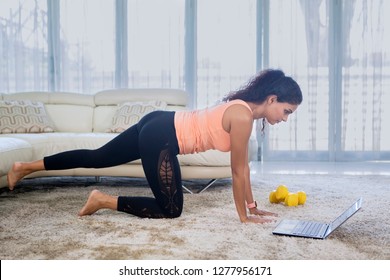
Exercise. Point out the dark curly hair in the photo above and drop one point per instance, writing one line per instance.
(269, 82)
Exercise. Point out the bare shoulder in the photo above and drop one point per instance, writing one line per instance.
(237, 115)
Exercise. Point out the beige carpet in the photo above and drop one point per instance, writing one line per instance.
(39, 221)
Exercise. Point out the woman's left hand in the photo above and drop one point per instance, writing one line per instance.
(255, 211)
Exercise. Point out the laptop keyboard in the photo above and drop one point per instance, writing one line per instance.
(308, 228)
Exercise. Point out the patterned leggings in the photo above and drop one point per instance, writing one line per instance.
(153, 140)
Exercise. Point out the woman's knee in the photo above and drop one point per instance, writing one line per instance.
(174, 214)
(171, 206)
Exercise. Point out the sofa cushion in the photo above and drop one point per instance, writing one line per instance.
(102, 118)
(129, 113)
(24, 116)
(71, 118)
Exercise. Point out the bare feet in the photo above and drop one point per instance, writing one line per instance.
(98, 200)
(15, 174)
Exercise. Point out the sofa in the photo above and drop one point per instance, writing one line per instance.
(80, 121)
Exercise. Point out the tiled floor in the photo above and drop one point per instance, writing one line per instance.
(339, 168)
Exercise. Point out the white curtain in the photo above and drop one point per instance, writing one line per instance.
(87, 48)
(298, 44)
(338, 51)
(88, 45)
(104, 47)
(366, 76)
(226, 47)
(155, 35)
(23, 46)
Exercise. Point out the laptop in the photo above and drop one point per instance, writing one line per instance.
(312, 229)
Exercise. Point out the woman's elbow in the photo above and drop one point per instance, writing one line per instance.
(238, 172)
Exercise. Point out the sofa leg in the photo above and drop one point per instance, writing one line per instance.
(98, 179)
(187, 189)
(209, 184)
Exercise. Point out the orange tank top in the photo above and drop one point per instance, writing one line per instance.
(202, 130)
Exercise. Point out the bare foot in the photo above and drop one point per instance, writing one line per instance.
(15, 174)
(96, 201)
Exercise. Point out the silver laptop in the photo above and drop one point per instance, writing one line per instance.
(313, 229)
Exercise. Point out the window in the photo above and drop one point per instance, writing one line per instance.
(155, 36)
(298, 44)
(226, 48)
(23, 46)
(338, 51)
(87, 48)
(365, 77)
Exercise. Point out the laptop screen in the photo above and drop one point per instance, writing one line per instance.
(346, 215)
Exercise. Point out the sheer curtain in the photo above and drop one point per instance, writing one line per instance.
(23, 46)
(155, 43)
(87, 48)
(365, 79)
(298, 44)
(89, 45)
(338, 51)
(226, 47)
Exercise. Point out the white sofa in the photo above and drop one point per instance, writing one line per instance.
(81, 121)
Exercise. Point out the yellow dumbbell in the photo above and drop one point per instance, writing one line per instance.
(281, 194)
(301, 197)
(291, 199)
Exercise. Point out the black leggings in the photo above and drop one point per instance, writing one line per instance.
(153, 140)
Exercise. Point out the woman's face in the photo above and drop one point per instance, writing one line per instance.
(278, 111)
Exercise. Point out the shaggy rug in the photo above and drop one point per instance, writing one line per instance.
(38, 220)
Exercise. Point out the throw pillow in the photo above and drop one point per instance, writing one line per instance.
(24, 116)
(129, 113)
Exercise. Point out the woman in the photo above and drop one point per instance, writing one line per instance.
(161, 135)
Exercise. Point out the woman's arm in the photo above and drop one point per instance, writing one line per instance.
(239, 143)
(249, 195)
(248, 190)
(240, 121)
